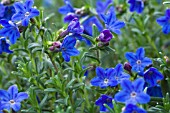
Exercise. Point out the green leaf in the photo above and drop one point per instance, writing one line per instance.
(51, 90)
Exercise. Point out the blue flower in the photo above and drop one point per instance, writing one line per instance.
(132, 92)
(67, 48)
(104, 78)
(130, 108)
(154, 91)
(102, 6)
(75, 27)
(87, 24)
(24, 12)
(164, 21)
(136, 5)
(8, 13)
(119, 74)
(11, 98)
(10, 30)
(111, 21)
(152, 75)
(4, 46)
(68, 8)
(104, 99)
(137, 60)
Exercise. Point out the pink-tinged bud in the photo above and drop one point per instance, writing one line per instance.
(167, 60)
(52, 48)
(64, 33)
(127, 66)
(57, 44)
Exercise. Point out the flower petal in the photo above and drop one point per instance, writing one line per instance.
(100, 72)
(28, 4)
(122, 96)
(142, 98)
(140, 53)
(72, 52)
(126, 85)
(21, 96)
(138, 85)
(162, 20)
(4, 95)
(19, 7)
(130, 56)
(25, 21)
(16, 107)
(33, 12)
(13, 91)
(66, 56)
(18, 16)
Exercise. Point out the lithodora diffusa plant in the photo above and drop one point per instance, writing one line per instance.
(84, 56)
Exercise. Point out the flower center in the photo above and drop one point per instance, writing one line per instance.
(134, 112)
(133, 94)
(27, 13)
(150, 72)
(116, 78)
(12, 101)
(138, 62)
(106, 80)
(108, 100)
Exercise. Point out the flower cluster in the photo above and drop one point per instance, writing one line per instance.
(132, 92)
(19, 12)
(94, 27)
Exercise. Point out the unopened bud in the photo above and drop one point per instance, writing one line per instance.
(127, 66)
(63, 33)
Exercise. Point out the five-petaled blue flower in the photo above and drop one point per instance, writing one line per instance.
(24, 12)
(10, 30)
(119, 74)
(155, 91)
(67, 48)
(11, 98)
(111, 21)
(132, 92)
(164, 21)
(102, 6)
(137, 60)
(136, 5)
(4, 46)
(104, 78)
(104, 99)
(151, 76)
(130, 108)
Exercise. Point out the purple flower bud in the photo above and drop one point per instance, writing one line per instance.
(127, 66)
(57, 44)
(75, 27)
(63, 33)
(69, 17)
(105, 36)
(52, 48)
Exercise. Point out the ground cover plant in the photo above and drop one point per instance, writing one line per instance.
(84, 56)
